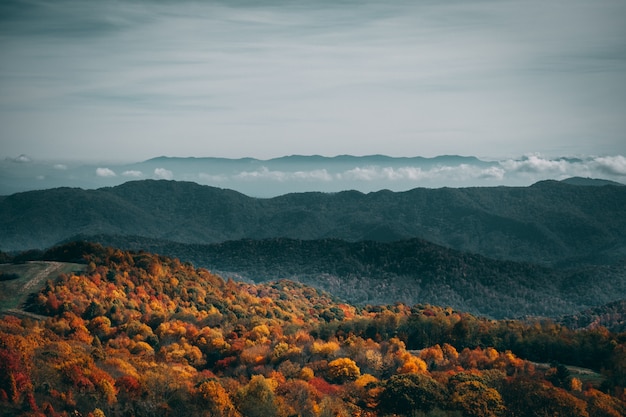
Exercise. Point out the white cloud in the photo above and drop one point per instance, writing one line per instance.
(105, 172)
(461, 172)
(132, 173)
(262, 173)
(537, 168)
(492, 173)
(22, 158)
(315, 175)
(60, 167)
(615, 165)
(536, 164)
(163, 174)
(367, 174)
(265, 174)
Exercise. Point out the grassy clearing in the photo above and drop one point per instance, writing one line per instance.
(586, 375)
(31, 277)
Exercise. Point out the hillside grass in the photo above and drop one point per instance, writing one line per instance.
(31, 276)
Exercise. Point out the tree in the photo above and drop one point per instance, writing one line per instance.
(257, 399)
(301, 397)
(406, 393)
(530, 398)
(215, 399)
(475, 399)
(342, 370)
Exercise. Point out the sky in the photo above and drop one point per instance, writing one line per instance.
(129, 80)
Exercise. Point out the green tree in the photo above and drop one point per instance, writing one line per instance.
(475, 399)
(406, 393)
(257, 399)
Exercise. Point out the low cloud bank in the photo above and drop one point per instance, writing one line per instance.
(456, 173)
(282, 176)
(600, 166)
(613, 165)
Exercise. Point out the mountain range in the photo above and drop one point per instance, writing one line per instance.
(548, 223)
(550, 249)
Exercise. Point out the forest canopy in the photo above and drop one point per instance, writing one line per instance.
(138, 334)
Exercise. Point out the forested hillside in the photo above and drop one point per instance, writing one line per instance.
(143, 335)
(408, 271)
(547, 223)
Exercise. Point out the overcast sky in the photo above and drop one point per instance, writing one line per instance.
(130, 80)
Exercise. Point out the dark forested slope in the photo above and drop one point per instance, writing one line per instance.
(548, 222)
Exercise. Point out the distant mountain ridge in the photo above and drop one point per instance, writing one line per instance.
(306, 159)
(547, 223)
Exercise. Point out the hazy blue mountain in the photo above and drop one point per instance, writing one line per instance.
(547, 223)
(298, 173)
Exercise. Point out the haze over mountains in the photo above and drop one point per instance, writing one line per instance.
(273, 177)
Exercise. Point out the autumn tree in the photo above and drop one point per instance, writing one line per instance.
(408, 392)
(301, 397)
(475, 399)
(257, 399)
(215, 400)
(530, 398)
(343, 369)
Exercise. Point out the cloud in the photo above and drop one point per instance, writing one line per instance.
(132, 173)
(105, 172)
(536, 164)
(315, 175)
(60, 167)
(429, 77)
(265, 174)
(538, 167)
(492, 173)
(615, 165)
(262, 173)
(21, 159)
(455, 173)
(163, 174)
(411, 174)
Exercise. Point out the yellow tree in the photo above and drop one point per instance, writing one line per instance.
(343, 369)
(214, 398)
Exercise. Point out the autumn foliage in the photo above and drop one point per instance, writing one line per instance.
(136, 334)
